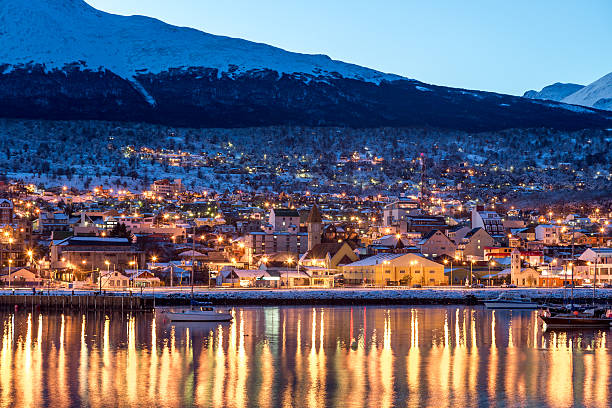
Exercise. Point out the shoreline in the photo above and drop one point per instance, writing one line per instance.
(305, 297)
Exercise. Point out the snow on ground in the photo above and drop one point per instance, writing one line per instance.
(337, 295)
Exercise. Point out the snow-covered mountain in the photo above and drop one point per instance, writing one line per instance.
(597, 95)
(63, 59)
(60, 32)
(554, 92)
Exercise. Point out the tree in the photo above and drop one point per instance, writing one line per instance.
(121, 231)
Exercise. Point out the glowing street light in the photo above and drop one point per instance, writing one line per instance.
(289, 262)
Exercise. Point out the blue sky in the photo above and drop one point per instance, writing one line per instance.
(505, 46)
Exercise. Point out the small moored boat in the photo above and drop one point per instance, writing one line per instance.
(203, 314)
(511, 300)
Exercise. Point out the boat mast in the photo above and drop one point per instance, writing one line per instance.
(595, 277)
(192, 259)
(572, 261)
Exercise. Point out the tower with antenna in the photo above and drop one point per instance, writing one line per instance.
(423, 192)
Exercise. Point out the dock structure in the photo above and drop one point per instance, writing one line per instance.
(78, 302)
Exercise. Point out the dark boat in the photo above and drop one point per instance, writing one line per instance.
(590, 318)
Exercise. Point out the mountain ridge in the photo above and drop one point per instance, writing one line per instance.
(555, 92)
(63, 59)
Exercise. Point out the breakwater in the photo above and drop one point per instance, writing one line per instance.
(149, 299)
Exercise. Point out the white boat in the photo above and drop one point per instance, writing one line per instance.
(203, 314)
(511, 300)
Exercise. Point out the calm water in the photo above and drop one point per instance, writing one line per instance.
(303, 357)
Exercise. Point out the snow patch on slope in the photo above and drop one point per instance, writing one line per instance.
(59, 32)
(147, 96)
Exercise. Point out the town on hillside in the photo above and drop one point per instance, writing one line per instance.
(167, 235)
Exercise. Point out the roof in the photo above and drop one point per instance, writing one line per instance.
(6, 203)
(376, 259)
(473, 232)
(431, 234)
(244, 273)
(95, 241)
(320, 251)
(285, 212)
(314, 216)
(190, 253)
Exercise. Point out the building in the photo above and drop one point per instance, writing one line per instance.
(314, 223)
(473, 244)
(21, 277)
(167, 188)
(493, 253)
(489, 220)
(114, 280)
(457, 233)
(398, 211)
(548, 234)
(268, 242)
(329, 255)
(387, 269)
(6, 211)
(86, 254)
(282, 219)
(243, 278)
(49, 222)
(436, 243)
(600, 264)
(423, 224)
(522, 276)
(283, 234)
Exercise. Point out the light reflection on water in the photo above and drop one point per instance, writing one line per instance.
(299, 356)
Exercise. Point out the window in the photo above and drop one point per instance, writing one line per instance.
(432, 271)
(387, 271)
(402, 271)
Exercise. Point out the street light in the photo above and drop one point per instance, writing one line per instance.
(492, 263)
(107, 263)
(10, 261)
(289, 262)
(471, 266)
(382, 275)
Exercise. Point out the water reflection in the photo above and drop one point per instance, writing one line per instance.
(269, 357)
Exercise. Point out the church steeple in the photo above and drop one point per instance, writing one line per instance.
(314, 224)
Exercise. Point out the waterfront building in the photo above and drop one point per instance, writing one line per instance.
(522, 276)
(600, 267)
(86, 254)
(386, 269)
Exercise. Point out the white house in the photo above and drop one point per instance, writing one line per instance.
(548, 234)
(230, 276)
(489, 220)
(114, 280)
(601, 263)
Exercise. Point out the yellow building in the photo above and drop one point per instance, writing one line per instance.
(395, 269)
